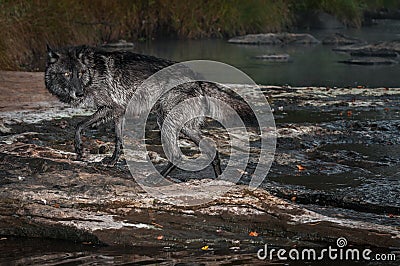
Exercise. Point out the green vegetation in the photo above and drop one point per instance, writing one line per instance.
(26, 25)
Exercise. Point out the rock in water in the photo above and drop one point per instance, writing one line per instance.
(275, 39)
(369, 61)
(340, 39)
(274, 57)
(389, 47)
(374, 53)
(121, 44)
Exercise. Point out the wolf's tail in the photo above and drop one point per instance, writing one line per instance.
(239, 105)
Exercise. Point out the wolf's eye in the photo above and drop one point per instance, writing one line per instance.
(67, 74)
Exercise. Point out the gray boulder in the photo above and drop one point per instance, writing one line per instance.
(120, 45)
(274, 57)
(340, 39)
(383, 48)
(369, 61)
(275, 39)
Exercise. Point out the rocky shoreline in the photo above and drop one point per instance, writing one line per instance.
(322, 185)
(361, 52)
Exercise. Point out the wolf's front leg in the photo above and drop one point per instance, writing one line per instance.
(111, 161)
(98, 116)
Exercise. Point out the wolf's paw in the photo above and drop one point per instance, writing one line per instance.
(109, 161)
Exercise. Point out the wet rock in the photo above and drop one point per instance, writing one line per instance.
(4, 129)
(121, 44)
(341, 190)
(340, 39)
(274, 57)
(90, 203)
(275, 39)
(389, 48)
(374, 53)
(368, 61)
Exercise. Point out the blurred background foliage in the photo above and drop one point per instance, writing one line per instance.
(27, 25)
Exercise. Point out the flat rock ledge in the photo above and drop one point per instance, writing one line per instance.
(275, 39)
(49, 195)
(46, 193)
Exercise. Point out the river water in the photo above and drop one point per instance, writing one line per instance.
(315, 65)
(347, 141)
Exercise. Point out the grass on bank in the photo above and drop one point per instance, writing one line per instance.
(27, 25)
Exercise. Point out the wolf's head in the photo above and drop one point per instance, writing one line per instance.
(66, 74)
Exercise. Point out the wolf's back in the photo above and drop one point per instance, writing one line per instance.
(234, 101)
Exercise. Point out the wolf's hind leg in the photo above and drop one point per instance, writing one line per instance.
(168, 169)
(111, 161)
(98, 116)
(216, 163)
(195, 136)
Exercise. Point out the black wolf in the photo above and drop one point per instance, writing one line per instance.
(107, 80)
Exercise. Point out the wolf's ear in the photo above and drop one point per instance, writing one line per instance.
(52, 56)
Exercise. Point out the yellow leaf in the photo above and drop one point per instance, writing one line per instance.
(204, 248)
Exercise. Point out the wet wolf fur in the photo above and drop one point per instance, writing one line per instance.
(107, 80)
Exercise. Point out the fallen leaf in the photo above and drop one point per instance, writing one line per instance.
(391, 215)
(253, 233)
(293, 198)
(160, 237)
(300, 167)
(349, 113)
(204, 248)
(56, 205)
(386, 109)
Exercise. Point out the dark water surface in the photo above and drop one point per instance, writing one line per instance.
(315, 65)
